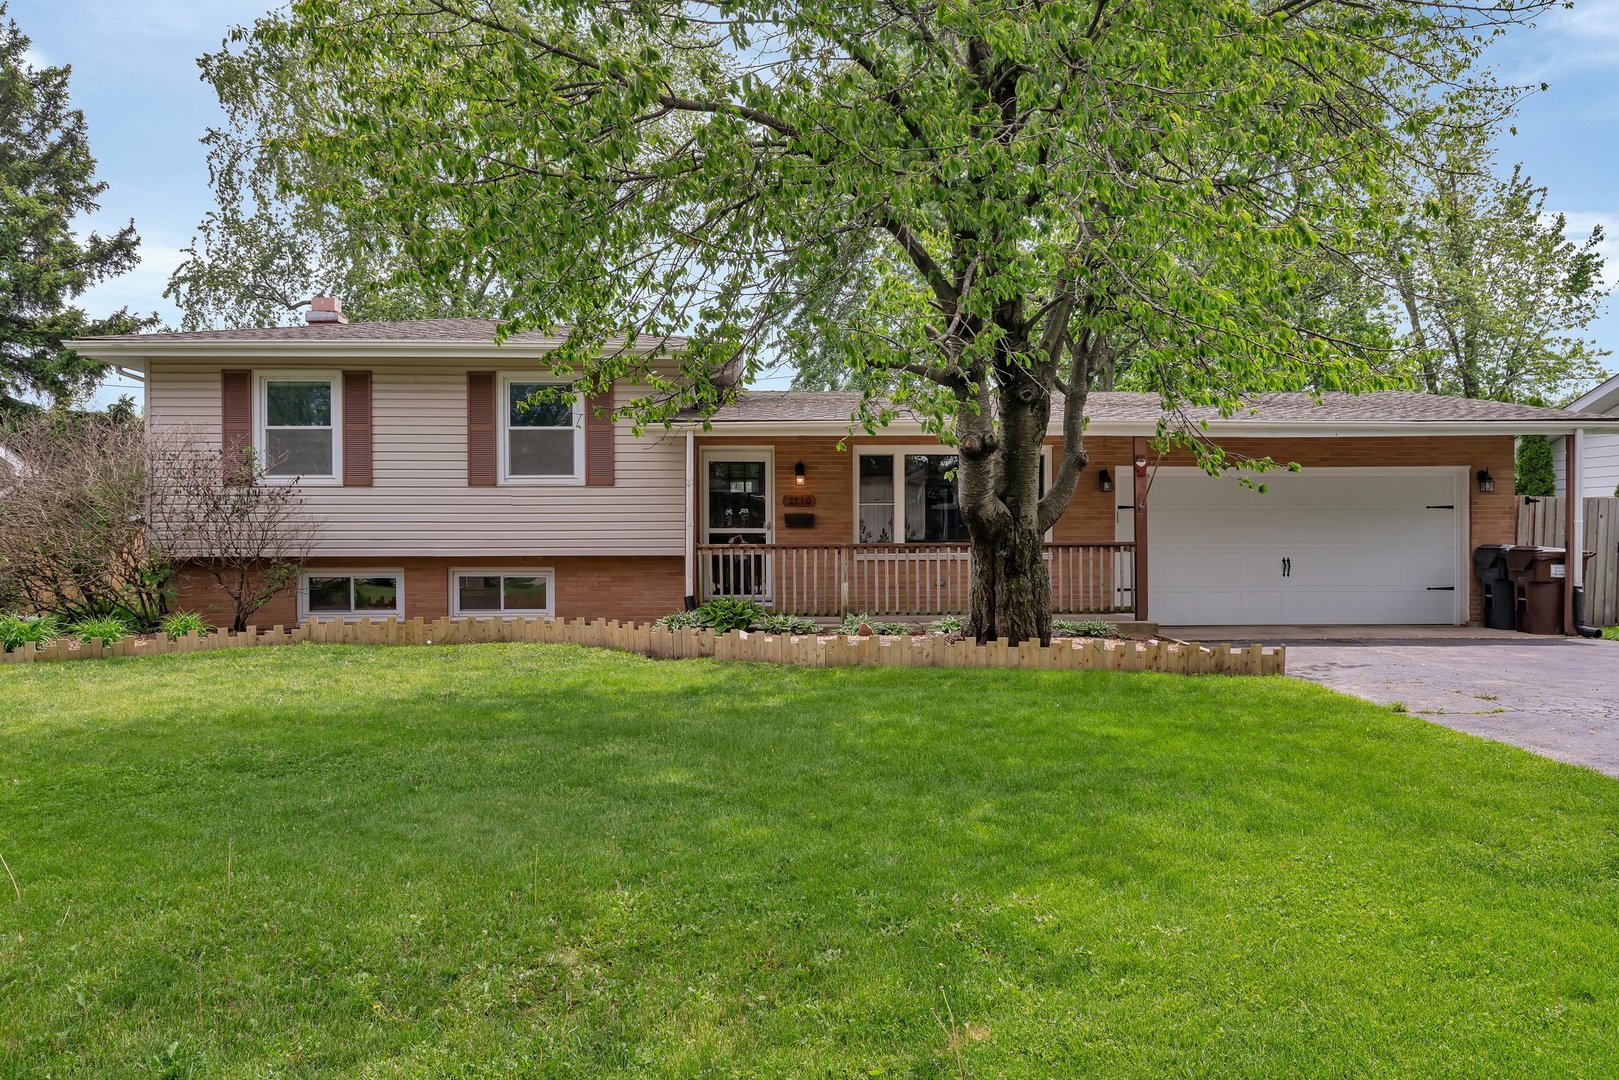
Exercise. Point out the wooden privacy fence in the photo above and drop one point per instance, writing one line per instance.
(1541, 521)
(807, 651)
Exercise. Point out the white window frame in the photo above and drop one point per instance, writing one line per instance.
(351, 615)
(899, 452)
(504, 405)
(261, 418)
(546, 572)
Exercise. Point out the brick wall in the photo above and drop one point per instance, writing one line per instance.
(636, 588)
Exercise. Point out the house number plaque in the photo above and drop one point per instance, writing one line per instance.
(798, 500)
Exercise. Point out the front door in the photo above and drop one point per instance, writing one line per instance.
(736, 513)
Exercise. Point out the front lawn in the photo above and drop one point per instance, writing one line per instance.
(498, 860)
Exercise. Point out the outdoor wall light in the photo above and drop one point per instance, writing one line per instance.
(1104, 480)
(798, 474)
(1486, 482)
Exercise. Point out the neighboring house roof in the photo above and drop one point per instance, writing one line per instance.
(402, 337)
(1603, 400)
(1122, 412)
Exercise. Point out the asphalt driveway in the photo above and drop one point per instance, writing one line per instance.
(1555, 696)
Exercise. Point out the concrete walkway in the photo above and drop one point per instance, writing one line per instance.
(1551, 695)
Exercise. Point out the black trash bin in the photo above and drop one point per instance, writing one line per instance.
(1490, 564)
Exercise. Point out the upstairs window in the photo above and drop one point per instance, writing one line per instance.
(542, 441)
(298, 422)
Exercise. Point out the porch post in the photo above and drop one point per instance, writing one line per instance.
(1139, 451)
(689, 546)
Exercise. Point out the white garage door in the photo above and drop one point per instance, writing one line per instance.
(1318, 546)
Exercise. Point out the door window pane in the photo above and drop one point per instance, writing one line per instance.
(876, 499)
(931, 510)
(736, 495)
(328, 594)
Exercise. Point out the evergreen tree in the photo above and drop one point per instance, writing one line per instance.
(47, 180)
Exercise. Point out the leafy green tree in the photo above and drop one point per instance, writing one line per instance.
(1533, 472)
(971, 204)
(1496, 296)
(269, 246)
(47, 180)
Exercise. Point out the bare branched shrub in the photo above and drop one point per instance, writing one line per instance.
(228, 519)
(73, 518)
(96, 514)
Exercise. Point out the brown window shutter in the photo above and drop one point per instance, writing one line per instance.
(480, 429)
(235, 421)
(356, 429)
(599, 439)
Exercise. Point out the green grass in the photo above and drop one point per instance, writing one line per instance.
(1611, 633)
(527, 860)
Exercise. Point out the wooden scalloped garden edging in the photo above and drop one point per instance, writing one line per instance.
(1067, 654)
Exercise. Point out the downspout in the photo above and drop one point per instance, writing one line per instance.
(1575, 538)
(691, 521)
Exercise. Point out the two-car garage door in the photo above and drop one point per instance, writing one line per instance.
(1318, 546)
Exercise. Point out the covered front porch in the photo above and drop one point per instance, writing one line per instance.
(820, 527)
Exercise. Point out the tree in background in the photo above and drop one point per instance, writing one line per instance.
(47, 180)
(270, 244)
(1495, 295)
(973, 204)
(1533, 471)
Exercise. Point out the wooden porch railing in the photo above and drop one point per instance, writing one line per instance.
(902, 579)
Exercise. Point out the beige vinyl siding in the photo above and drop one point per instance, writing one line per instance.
(419, 502)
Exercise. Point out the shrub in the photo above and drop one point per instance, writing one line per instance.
(109, 628)
(1088, 628)
(787, 624)
(178, 624)
(679, 620)
(949, 624)
(722, 614)
(726, 613)
(852, 622)
(1534, 472)
(17, 630)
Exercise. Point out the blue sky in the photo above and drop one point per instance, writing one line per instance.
(135, 77)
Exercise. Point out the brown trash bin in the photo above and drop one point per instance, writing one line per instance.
(1537, 575)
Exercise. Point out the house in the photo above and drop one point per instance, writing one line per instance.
(434, 497)
(1599, 452)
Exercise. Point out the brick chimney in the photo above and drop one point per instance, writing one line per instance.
(325, 309)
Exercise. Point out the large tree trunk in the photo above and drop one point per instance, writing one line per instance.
(1011, 588)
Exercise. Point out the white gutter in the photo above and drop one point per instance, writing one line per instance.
(1305, 429)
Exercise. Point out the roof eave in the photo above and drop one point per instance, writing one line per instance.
(1600, 399)
(1311, 429)
(131, 353)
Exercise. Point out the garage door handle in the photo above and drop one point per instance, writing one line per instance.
(1441, 588)
(1438, 506)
